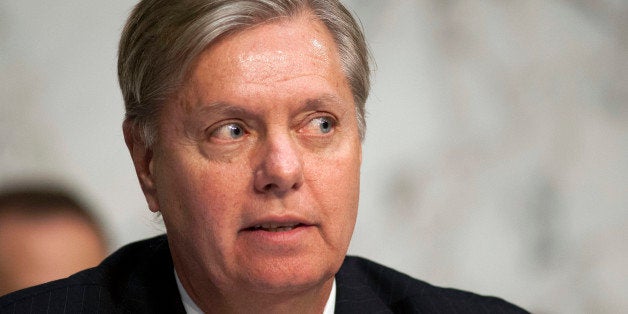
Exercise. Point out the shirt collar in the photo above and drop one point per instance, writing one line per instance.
(188, 304)
(192, 308)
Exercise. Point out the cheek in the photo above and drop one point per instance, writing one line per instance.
(200, 208)
(336, 184)
(204, 192)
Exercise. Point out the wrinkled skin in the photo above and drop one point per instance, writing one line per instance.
(256, 170)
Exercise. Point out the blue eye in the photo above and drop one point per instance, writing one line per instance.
(235, 131)
(228, 132)
(322, 125)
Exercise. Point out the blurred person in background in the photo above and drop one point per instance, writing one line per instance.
(45, 234)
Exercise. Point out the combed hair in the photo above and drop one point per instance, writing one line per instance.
(163, 38)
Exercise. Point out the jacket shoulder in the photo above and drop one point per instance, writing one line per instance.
(369, 287)
(121, 282)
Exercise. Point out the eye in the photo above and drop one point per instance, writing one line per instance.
(228, 132)
(320, 125)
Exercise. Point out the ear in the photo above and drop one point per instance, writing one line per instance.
(142, 157)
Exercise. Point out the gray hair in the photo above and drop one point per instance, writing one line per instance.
(162, 39)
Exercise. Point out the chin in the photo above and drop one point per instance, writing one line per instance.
(283, 276)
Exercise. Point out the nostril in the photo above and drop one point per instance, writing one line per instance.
(270, 186)
(276, 175)
(275, 187)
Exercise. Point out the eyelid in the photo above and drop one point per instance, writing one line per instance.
(210, 131)
(320, 115)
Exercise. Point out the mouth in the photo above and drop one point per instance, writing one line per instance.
(275, 227)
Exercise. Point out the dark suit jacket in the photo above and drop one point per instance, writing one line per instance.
(139, 278)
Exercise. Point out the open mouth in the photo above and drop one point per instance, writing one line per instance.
(270, 227)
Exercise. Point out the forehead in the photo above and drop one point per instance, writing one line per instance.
(270, 53)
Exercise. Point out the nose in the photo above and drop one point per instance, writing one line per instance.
(280, 169)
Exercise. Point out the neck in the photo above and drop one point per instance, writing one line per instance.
(243, 300)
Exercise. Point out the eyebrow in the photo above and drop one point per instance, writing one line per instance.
(222, 108)
(325, 99)
(228, 109)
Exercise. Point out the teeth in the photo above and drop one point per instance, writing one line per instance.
(271, 227)
(280, 229)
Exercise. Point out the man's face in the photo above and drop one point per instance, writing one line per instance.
(257, 167)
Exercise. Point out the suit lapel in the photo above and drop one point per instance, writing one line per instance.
(355, 294)
(152, 287)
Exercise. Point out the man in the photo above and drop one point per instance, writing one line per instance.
(45, 234)
(244, 120)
